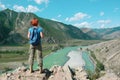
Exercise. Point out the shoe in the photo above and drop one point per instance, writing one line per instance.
(31, 69)
(40, 70)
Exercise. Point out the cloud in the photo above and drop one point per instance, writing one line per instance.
(83, 24)
(54, 19)
(77, 16)
(102, 26)
(57, 18)
(2, 6)
(19, 8)
(59, 15)
(102, 13)
(30, 8)
(103, 23)
(41, 1)
(116, 9)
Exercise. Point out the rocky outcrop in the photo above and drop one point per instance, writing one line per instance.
(55, 73)
(109, 76)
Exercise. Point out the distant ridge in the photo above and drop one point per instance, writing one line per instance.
(104, 33)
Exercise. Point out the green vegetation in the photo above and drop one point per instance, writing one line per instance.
(12, 57)
(99, 67)
(7, 69)
(12, 52)
(78, 42)
(21, 53)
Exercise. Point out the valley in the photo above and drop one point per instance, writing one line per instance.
(19, 54)
(102, 44)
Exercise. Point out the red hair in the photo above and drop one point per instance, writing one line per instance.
(34, 22)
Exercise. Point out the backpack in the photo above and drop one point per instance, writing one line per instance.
(34, 37)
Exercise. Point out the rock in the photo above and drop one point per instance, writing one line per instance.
(80, 74)
(23, 69)
(54, 69)
(66, 73)
(55, 73)
(109, 76)
(108, 53)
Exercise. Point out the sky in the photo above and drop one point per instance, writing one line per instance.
(79, 13)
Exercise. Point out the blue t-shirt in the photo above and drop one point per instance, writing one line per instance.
(37, 39)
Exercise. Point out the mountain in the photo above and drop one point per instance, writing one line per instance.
(14, 27)
(109, 33)
(91, 33)
(104, 33)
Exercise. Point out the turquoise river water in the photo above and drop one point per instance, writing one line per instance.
(60, 58)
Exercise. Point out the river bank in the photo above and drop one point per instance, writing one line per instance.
(75, 59)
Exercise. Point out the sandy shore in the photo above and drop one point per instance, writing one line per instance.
(75, 60)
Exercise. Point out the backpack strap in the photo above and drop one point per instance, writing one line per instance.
(33, 33)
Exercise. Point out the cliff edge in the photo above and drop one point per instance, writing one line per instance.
(55, 73)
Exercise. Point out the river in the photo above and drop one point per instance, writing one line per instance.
(60, 57)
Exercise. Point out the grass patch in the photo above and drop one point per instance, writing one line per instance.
(77, 42)
(12, 57)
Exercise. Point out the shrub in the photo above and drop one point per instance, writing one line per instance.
(7, 69)
(100, 65)
(0, 56)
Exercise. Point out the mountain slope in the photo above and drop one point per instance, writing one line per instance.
(108, 33)
(60, 31)
(91, 33)
(105, 33)
(108, 53)
(14, 27)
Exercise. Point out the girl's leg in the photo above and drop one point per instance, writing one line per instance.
(31, 57)
(40, 58)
